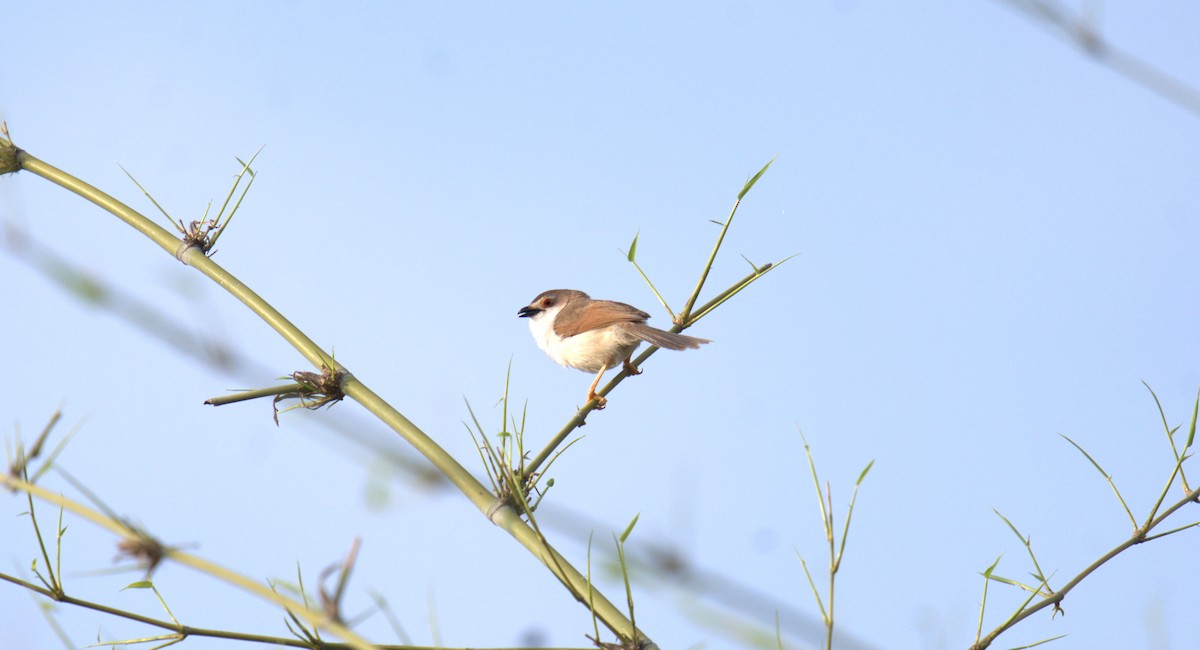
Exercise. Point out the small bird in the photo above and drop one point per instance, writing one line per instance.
(594, 335)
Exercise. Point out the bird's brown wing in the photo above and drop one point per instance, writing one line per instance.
(598, 313)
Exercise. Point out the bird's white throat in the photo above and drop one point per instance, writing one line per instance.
(541, 325)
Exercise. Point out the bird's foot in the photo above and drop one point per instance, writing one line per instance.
(600, 401)
(631, 369)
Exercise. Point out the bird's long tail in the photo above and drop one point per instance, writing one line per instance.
(668, 340)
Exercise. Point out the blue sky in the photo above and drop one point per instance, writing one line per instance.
(994, 242)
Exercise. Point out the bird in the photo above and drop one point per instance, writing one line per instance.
(595, 335)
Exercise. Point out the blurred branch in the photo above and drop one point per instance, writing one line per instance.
(197, 344)
(667, 567)
(18, 463)
(95, 292)
(130, 535)
(1081, 30)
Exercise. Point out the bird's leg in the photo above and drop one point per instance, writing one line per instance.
(630, 368)
(600, 401)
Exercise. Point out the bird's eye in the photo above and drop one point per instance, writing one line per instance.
(547, 302)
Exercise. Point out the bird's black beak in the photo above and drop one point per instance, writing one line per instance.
(526, 312)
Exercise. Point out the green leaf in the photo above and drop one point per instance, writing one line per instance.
(1161, 413)
(629, 528)
(752, 264)
(754, 179)
(864, 472)
(988, 572)
(1192, 428)
(141, 584)
(1038, 643)
(1088, 456)
(633, 247)
(1011, 527)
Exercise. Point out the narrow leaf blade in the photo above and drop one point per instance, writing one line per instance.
(629, 528)
(754, 179)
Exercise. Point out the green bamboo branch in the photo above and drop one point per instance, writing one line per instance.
(504, 464)
(515, 478)
(1107, 477)
(502, 515)
(477, 493)
(725, 295)
(312, 390)
(54, 580)
(1139, 536)
(987, 581)
(687, 308)
(837, 550)
(1180, 454)
(204, 232)
(1026, 541)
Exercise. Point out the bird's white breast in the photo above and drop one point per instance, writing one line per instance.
(588, 351)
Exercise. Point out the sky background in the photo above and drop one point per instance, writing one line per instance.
(995, 243)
